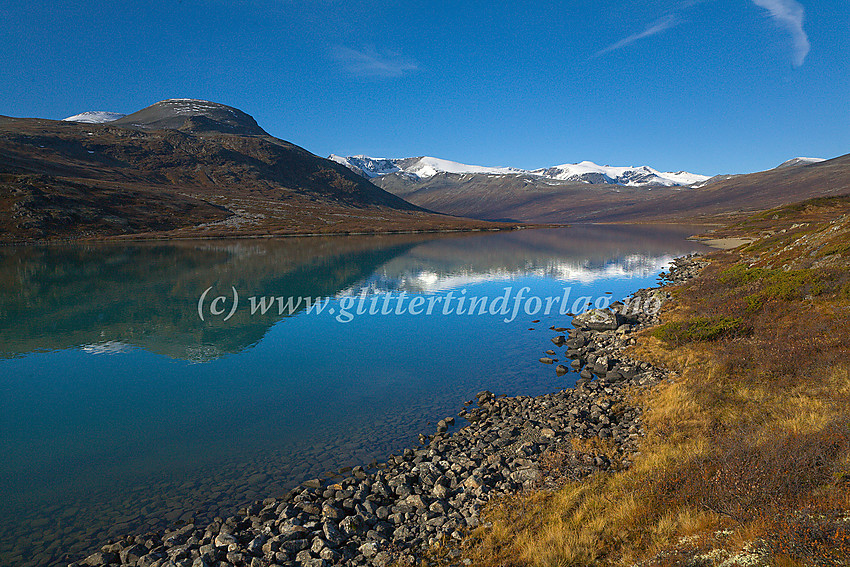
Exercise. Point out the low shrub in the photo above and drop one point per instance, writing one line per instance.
(699, 329)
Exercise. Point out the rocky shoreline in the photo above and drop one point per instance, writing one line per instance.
(431, 495)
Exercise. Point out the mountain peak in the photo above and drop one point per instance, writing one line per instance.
(194, 116)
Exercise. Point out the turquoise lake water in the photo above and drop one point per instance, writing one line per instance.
(121, 410)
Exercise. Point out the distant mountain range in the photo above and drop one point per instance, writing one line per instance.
(183, 168)
(587, 192)
(418, 168)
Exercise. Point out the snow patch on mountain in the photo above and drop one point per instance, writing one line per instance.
(583, 172)
(713, 180)
(95, 117)
(193, 106)
(799, 161)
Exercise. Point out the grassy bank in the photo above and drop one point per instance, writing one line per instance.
(746, 460)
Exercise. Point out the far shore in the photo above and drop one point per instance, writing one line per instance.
(148, 237)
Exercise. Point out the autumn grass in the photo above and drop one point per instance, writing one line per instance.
(748, 448)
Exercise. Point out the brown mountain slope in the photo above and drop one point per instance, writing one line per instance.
(754, 192)
(66, 180)
(528, 199)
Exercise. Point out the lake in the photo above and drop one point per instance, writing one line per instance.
(149, 384)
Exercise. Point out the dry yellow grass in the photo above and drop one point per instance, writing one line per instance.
(747, 450)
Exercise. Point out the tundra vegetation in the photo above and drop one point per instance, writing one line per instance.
(746, 458)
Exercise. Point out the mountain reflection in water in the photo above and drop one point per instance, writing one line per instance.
(109, 298)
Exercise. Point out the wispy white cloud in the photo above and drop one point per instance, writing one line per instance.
(371, 63)
(654, 28)
(790, 15)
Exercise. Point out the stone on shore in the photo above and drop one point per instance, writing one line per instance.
(598, 320)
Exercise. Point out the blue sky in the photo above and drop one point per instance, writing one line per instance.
(711, 86)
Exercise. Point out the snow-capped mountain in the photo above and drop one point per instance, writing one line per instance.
(367, 166)
(799, 161)
(583, 172)
(589, 172)
(416, 167)
(95, 117)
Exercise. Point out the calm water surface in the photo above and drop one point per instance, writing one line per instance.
(121, 410)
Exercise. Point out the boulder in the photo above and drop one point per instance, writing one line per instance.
(598, 320)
